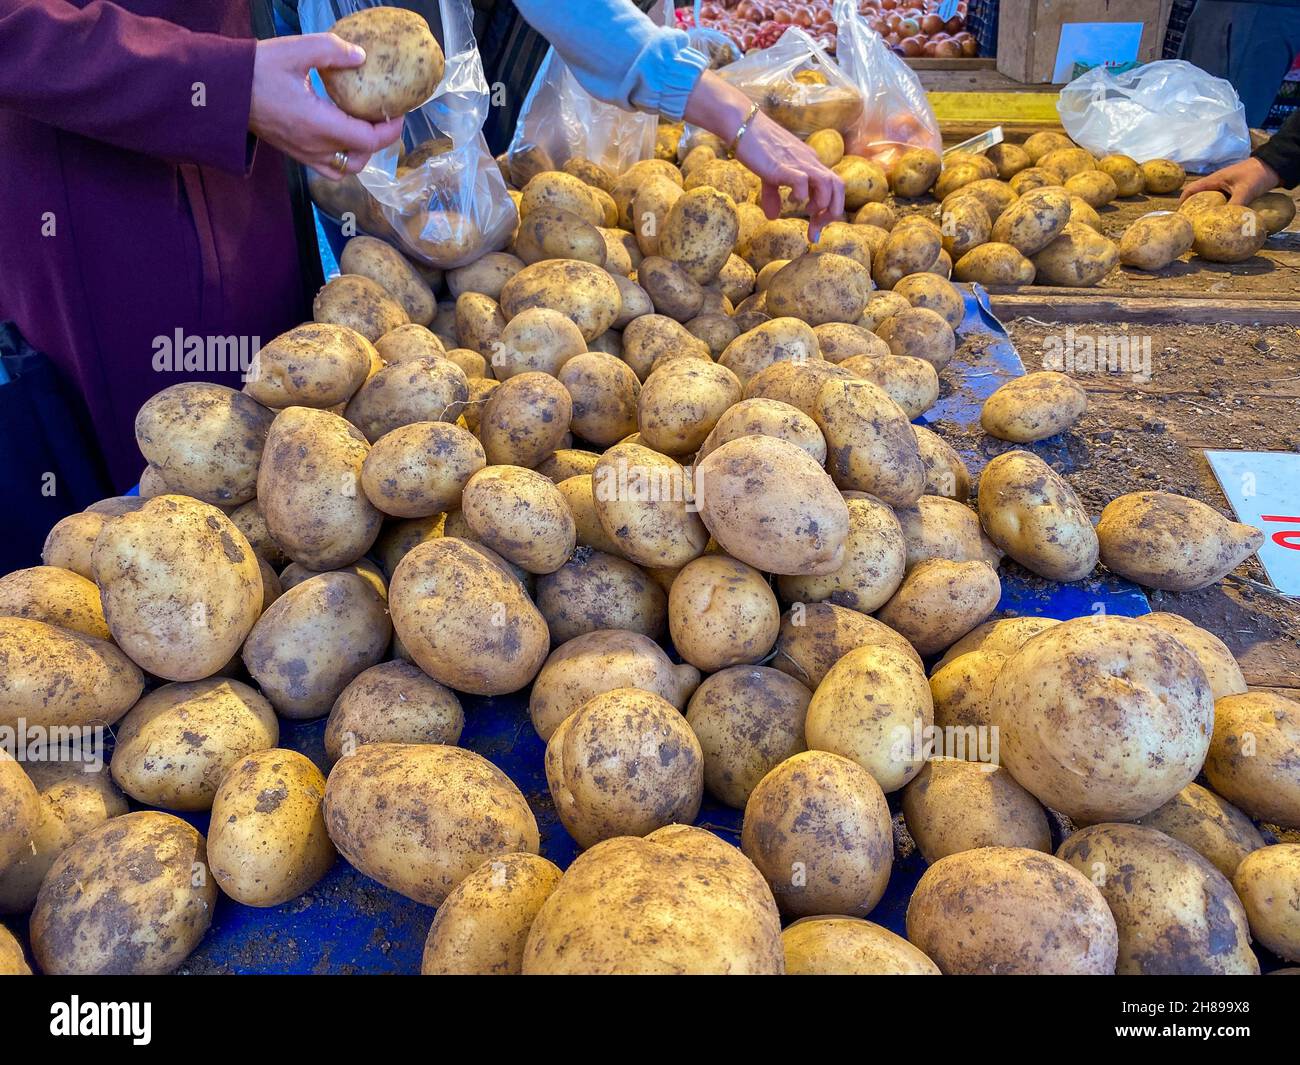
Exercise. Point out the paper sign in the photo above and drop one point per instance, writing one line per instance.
(1264, 490)
(1094, 44)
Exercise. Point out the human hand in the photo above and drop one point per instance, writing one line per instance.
(1240, 182)
(779, 158)
(286, 112)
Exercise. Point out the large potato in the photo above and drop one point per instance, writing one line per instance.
(1227, 234)
(1155, 240)
(938, 527)
(914, 171)
(814, 636)
(605, 392)
(392, 702)
(1002, 637)
(205, 439)
(848, 946)
(779, 340)
(176, 743)
(403, 64)
(722, 613)
(1176, 914)
(594, 590)
(795, 382)
(1090, 746)
(1268, 884)
(955, 805)
(746, 501)
(679, 901)
(521, 515)
(420, 469)
(682, 401)
(360, 304)
(583, 292)
(875, 556)
(919, 333)
(775, 239)
(766, 417)
(1094, 187)
(420, 818)
(555, 189)
(646, 504)
(818, 828)
(422, 390)
(624, 764)
(1078, 255)
(874, 708)
(1251, 761)
(481, 927)
(465, 620)
(1167, 541)
(1029, 511)
(268, 842)
(1210, 825)
(699, 232)
(180, 585)
(309, 489)
(537, 339)
(1035, 220)
(1009, 910)
(910, 249)
(312, 365)
(1033, 407)
(525, 420)
(601, 661)
(131, 897)
(56, 596)
(486, 275)
(652, 337)
(381, 262)
(819, 287)
(940, 601)
(869, 441)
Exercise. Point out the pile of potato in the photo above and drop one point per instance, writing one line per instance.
(660, 420)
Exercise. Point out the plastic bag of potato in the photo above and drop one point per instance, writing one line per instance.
(437, 192)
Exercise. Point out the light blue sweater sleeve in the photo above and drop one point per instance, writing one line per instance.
(618, 54)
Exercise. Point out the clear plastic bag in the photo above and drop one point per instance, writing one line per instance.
(797, 85)
(445, 201)
(896, 115)
(1170, 109)
(560, 121)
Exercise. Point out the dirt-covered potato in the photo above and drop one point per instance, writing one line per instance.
(625, 763)
(857, 242)
(965, 225)
(1275, 209)
(1175, 913)
(919, 333)
(268, 842)
(828, 144)
(681, 401)
(604, 392)
(680, 901)
(939, 527)
(420, 469)
(956, 176)
(646, 504)
(872, 707)
(1200, 201)
(56, 596)
(722, 613)
(1168, 541)
(783, 339)
(525, 420)
(1227, 234)
(1162, 176)
(1211, 826)
(20, 812)
(1092, 748)
(392, 702)
(1251, 762)
(960, 688)
(419, 818)
(699, 231)
(581, 291)
(384, 264)
(766, 417)
(360, 304)
(580, 495)
(422, 390)
(818, 828)
(1220, 666)
(557, 190)
(521, 515)
(1268, 884)
(466, 619)
(671, 289)
(652, 337)
(1033, 407)
(994, 264)
(313, 365)
(914, 172)
(1065, 163)
(130, 897)
(403, 64)
(936, 293)
(1029, 511)
(487, 275)
(945, 472)
(649, 211)
(554, 233)
(1077, 256)
(1010, 159)
(479, 323)
(1002, 637)
(840, 341)
(814, 636)
(1094, 187)
(594, 590)
(941, 600)
(180, 586)
(819, 287)
(874, 562)
(780, 238)
(1022, 912)
(71, 542)
(481, 927)
(869, 440)
(911, 383)
(910, 249)
(849, 946)
(747, 504)
(1123, 171)
(956, 805)
(598, 662)
(1034, 177)
(1155, 240)
(1035, 220)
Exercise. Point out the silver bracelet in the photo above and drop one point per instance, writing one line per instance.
(744, 128)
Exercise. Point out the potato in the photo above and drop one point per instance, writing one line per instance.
(422, 390)
(945, 472)
(1175, 913)
(745, 503)
(419, 818)
(1084, 215)
(939, 527)
(679, 901)
(1065, 163)
(919, 333)
(1227, 234)
(869, 441)
(1033, 407)
(525, 420)
(874, 560)
(848, 946)
(21, 813)
(71, 541)
(392, 702)
(956, 176)
(814, 636)
(722, 613)
(360, 304)
(1275, 209)
(466, 621)
(598, 662)
(1252, 755)
(403, 64)
(728, 176)
(1002, 637)
(779, 340)
(1124, 171)
(479, 323)
(583, 292)
(650, 337)
(13, 962)
(645, 503)
(312, 365)
(649, 212)
(1035, 220)
(553, 233)
(1220, 667)
(594, 590)
(1211, 826)
(1089, 747)
(766, 417)
(555, 190)
(1167, 541)
(914, 172)
(1200, 201)
(671, 289)
(818, 828)
(699, 231)
(624, 764)
(1268, 884)
(954, 805)
(268, 842)
(481, 927)
(296, 573)
(385, 265)
(681, 402)
(1034, 177)
(828, 144)
(1155, 240)
(935, 293)
(56, 596)
(960, 688)
(1078, 256)
(910, 249)
(873, 707)
(1030, 512)
(1023, 913)
(1093, 187)
(781, 238)
(1010, 159)
(911, 383)
(421, 469)
(604, 393)
(521, 515)
(940, 601)
(487, 274)
(1161, 176)
(130, 897)
(965, 225)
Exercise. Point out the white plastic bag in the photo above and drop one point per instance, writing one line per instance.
(896, 115)
(560, 121)
(453, 206)
(1170, 109)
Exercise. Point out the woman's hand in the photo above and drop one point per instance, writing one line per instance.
(287, 114)
(1240, 182)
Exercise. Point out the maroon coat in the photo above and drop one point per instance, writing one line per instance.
(165, 215)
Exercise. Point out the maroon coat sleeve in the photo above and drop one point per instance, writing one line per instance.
(139, 83)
